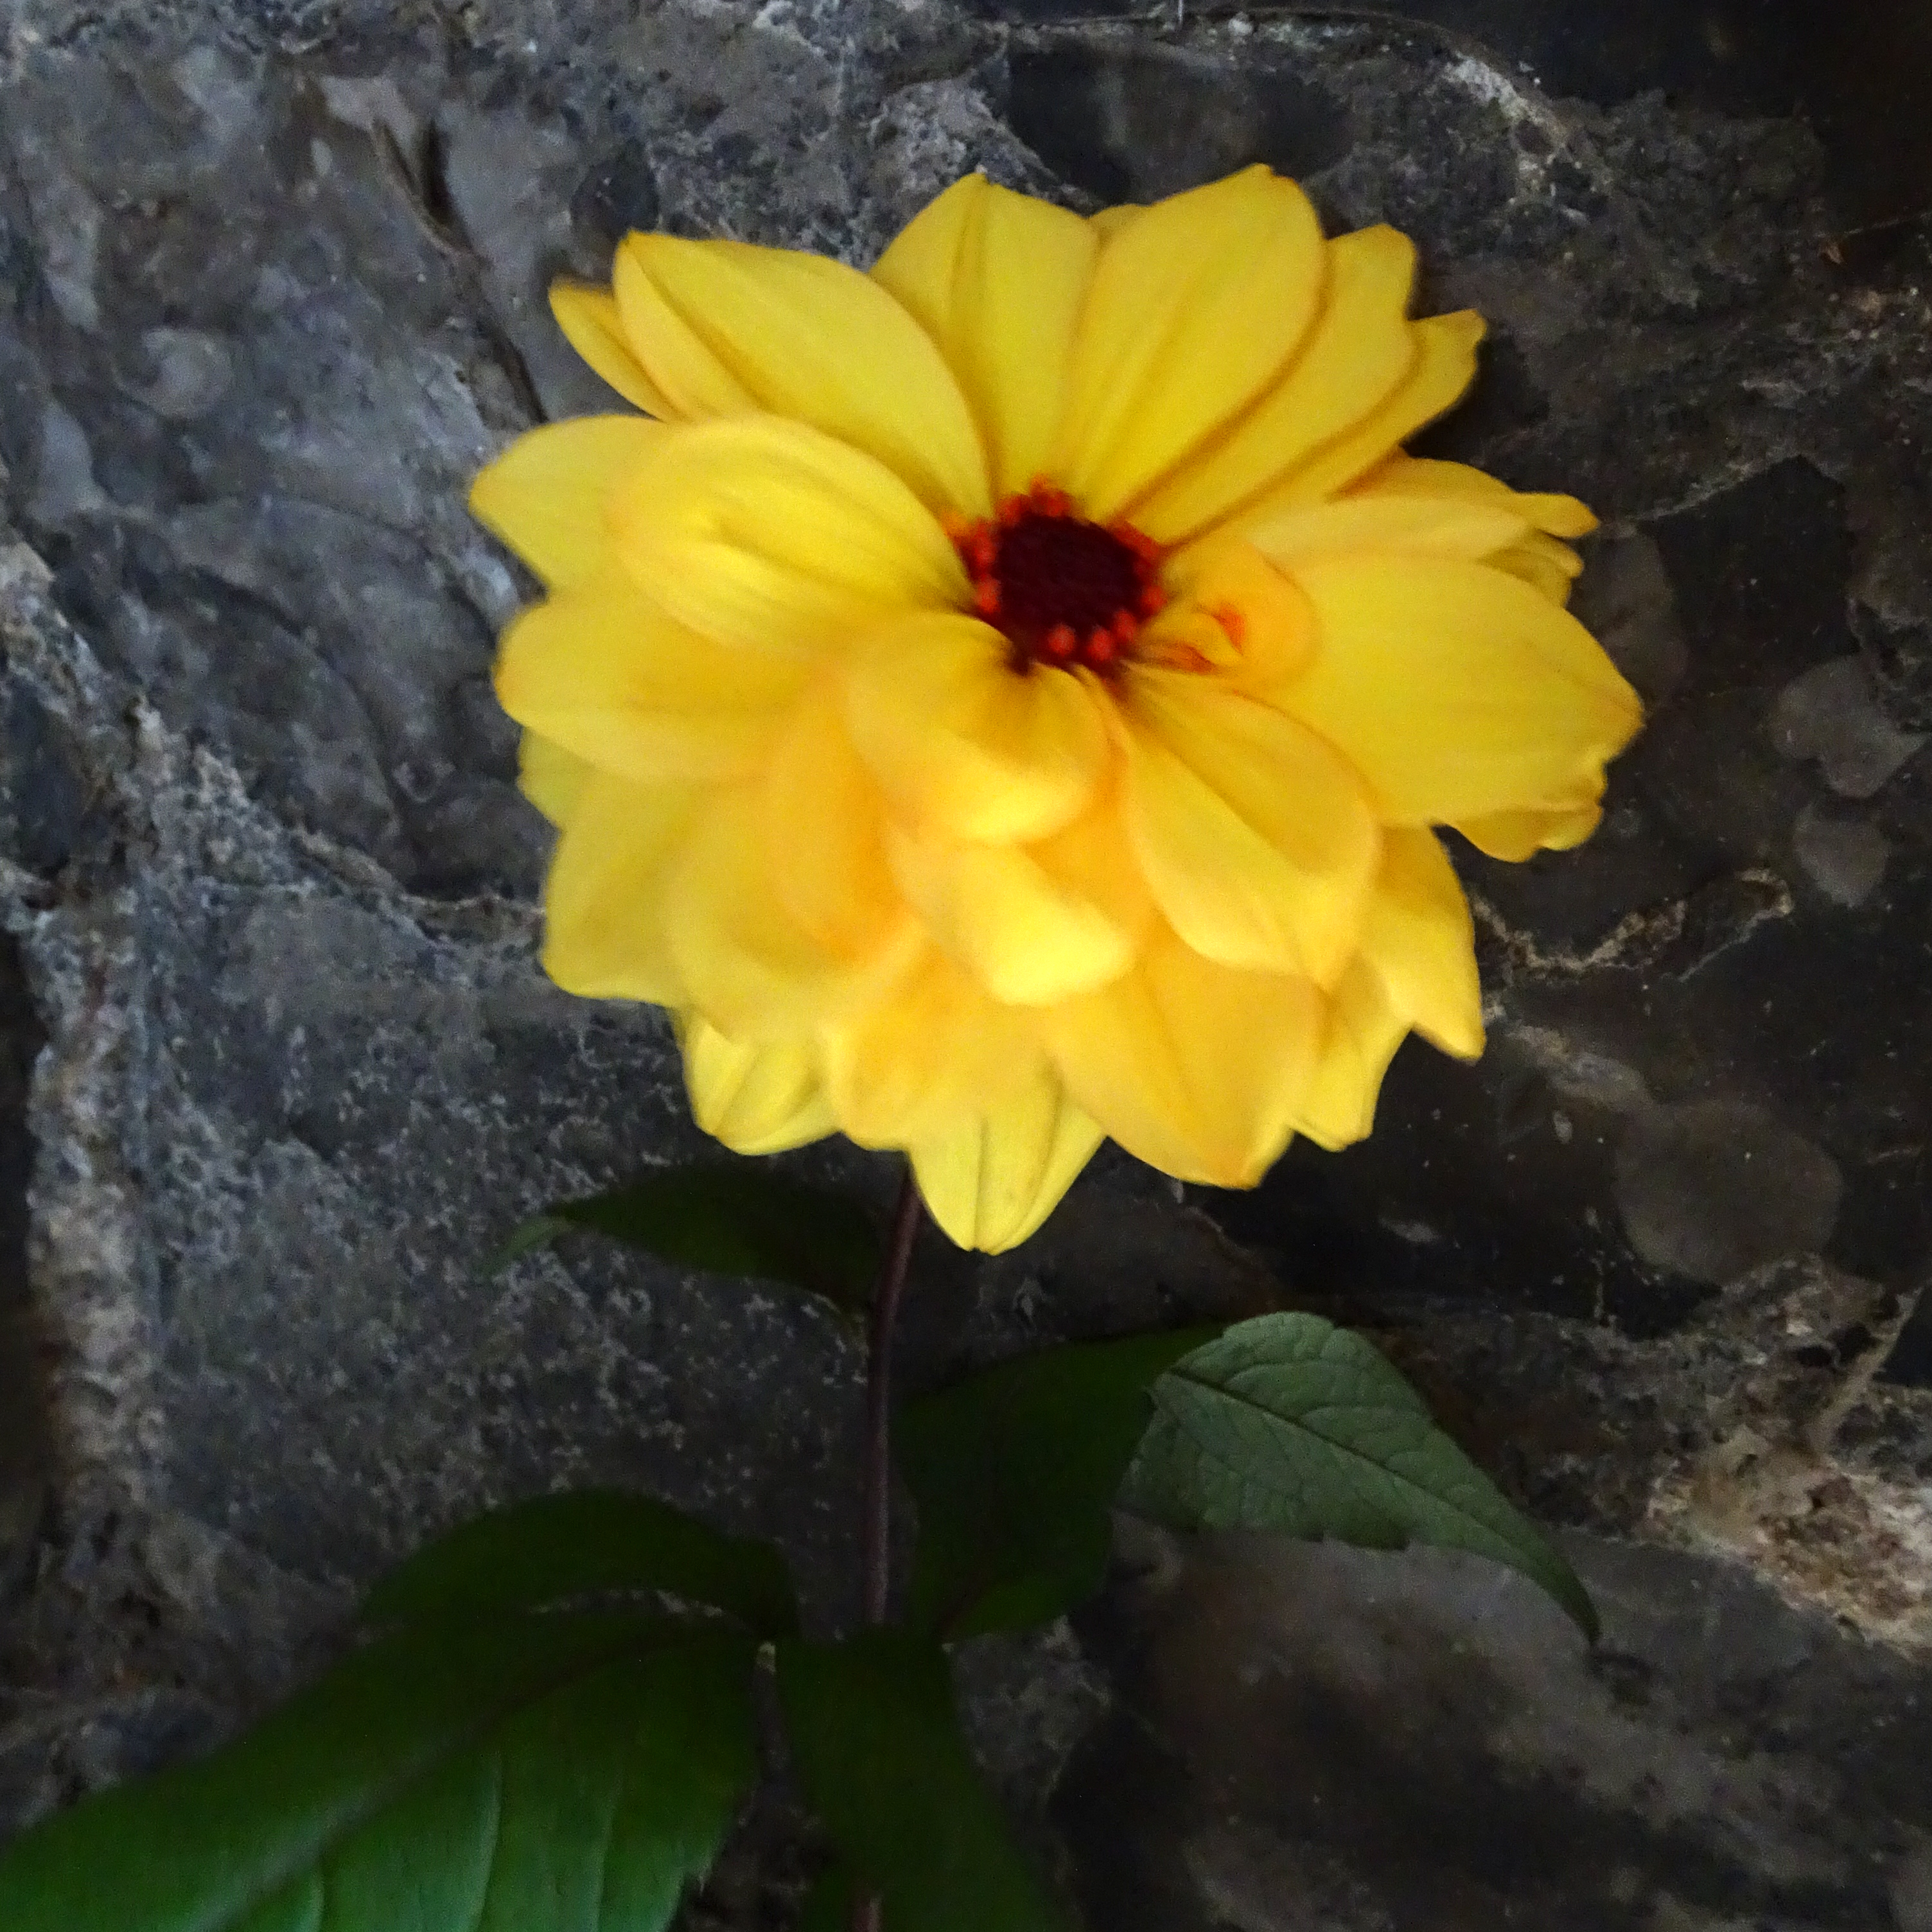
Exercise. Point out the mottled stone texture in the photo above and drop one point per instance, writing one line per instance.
(274, 1052)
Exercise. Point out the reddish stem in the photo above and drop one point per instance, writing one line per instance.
(876, 1539)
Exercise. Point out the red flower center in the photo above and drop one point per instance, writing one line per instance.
(1064, 591)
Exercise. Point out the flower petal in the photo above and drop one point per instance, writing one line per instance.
(1405, 476)
(963, 744)
(751, 968)
(723, 327)
(1231, 613)
(606, 932)
(824, 825)
(1419, 938)
(1516, 835)
(1195, 1068)
(997, 280)
(768, 534)
(1445, 366)
(1256, 837)
(1023, 932)
(930, 1055)
(547, 496)
(592, 326)
(1361, 348)
(551, 777)
(990, 1183)
(1360, 1032)
(601, 671)
(1386, 526)
(755, 1098)
(1455, 689)
(1195, 308)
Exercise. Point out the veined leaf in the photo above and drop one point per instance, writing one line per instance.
(828, 1905)
(1015, 1472)
(876, 1744)
(1288, 1423)
(536, 1773)
(739, 1219)
(585, 1542)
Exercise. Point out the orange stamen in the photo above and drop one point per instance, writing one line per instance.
(1060, 641)
(1153, 599)
(1126, 625)
(1101, 647)
(986, 597)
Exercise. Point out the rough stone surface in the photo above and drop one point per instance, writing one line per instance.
(275, 1053)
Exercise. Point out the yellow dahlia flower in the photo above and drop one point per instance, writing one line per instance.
(1002, 700)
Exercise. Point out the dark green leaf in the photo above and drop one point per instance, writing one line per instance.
(876, 1746)
(828, 1905)
(739, 1220)
(586, 1542)
(546, 1774)
(1014, 1473)
(1289, 1423)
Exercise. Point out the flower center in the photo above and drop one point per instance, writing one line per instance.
(1064, 591)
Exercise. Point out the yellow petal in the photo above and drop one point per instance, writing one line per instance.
(931, 1054)
(592, 326)
(1255, 837)
(990, 1183)
(1419, 938)
(751, 968)
(1402, 475)
(1386, 526)
(1517, 836)
(1445, 366)
(1108, 222)
(1232, 612)
(964, 745)
(1361, 348)
(550, 777)
(1455, 689)
(755, 1098)
(602, 672)
(1535, 555)
(606, 932)
(824, 825)
(547, 496)
(1197, 1068)
(1025, 934)
(1094, 858)
(723, 327)
(1541, 561)
(767, 534)
(1360, 1032)
(1194, 310)
(997, 280)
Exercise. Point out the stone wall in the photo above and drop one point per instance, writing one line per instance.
(275, 1056)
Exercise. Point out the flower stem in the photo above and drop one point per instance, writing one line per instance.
(868, 1913)
(877, 1536)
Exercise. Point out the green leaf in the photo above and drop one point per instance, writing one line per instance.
(1289, 1423)
(1015, 1472)
(536, 1773)
(586, 1542)
(876, 1746)
(736, 1219)
(828, 1905)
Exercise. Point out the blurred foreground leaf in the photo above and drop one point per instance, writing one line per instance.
(586, 1542)
(1015, 1472)
(548, 1773)
(736, 1219)
(1288, 1423)
(876, 1746)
